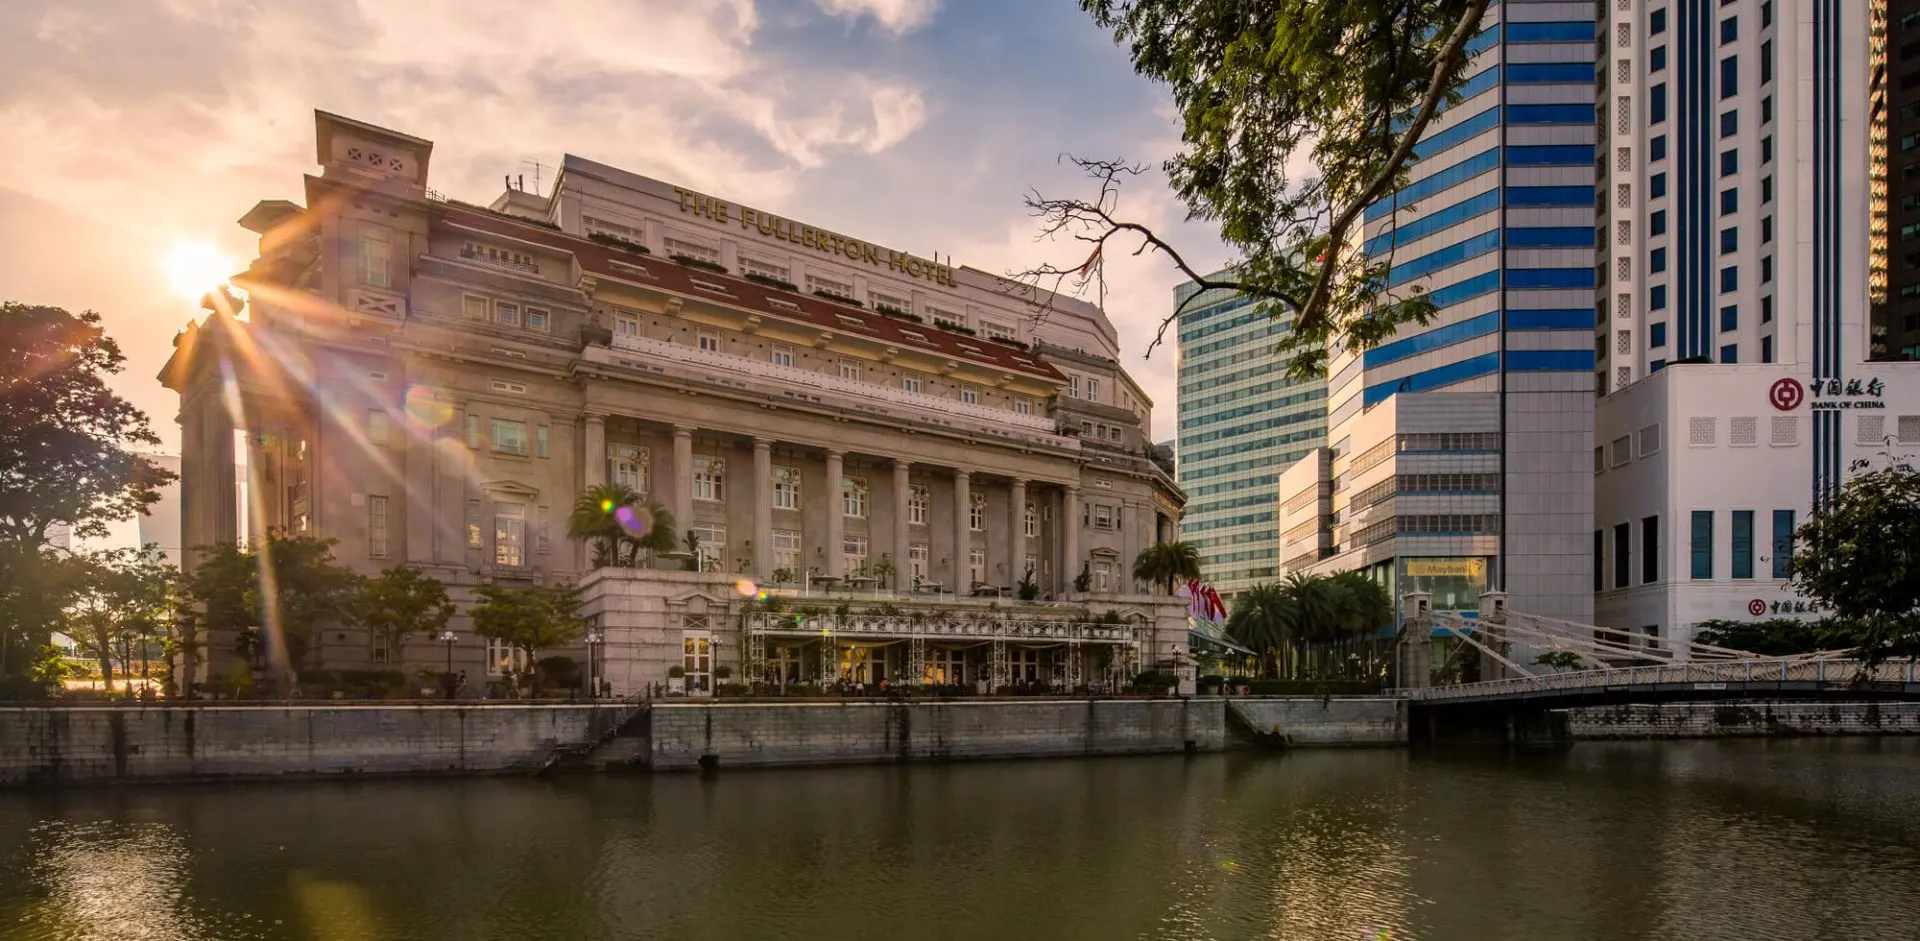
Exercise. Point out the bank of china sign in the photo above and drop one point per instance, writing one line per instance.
(1787, 394)
(776, 227)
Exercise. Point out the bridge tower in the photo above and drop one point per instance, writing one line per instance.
(1413, 663)
(1493, 613)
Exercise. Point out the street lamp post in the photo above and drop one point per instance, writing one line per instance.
(447, 637)
(594, 639)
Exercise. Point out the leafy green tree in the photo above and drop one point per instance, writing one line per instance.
(1859, 556)
(272, 597)
(1560, 660)
(1296, 116)
(1266, 621)
(66, 458)
(401, 601)
(117, 600)
(1166, 564)
(1773, 637)
(529, 619)
(596, 519)
(1364, 605)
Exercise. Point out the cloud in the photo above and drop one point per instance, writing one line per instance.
(896, 16)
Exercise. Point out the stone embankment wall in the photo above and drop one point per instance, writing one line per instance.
(1310, 722)
(739, 735)
(1744, 720)
(74, 745)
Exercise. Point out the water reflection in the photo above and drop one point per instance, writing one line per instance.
(1789, 840)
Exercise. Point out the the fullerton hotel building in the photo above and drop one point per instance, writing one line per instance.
(893, 441)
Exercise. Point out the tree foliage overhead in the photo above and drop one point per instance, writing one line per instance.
(529, 619)
(1167, 563)
(1860, 557)
(65, 437)
(114, 600)
(401, 601)
(273, 596)
(1295, 116)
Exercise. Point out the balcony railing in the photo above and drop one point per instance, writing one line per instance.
(935, 627)
(789, 375)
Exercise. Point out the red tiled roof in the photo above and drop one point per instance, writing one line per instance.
(596, 258)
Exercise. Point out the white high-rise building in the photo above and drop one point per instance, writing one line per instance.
(1744, 158)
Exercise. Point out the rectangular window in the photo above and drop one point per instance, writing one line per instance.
(1766, 230)
(853, 554)
(1782, 543)
(1730, 124)
(630, 468)
(1766, 149)
(1766, 349)
(376, 261)
(1657, 185)
(542, 534)
(1657, 22)
(1766, 189)
(1742, 543)
(1729, 30)
(976, 566)
(1702, 544)
(709, 342)
(1030, 521)
(1730, 279)
(1729, 77)
(626, 327)
(1649, 550)
(1766, 109)
(1093, 390)
(538, 318)
(1657, 261)
(1022, 405)
(917, 563)
(1657, 147)
(1657, 297)
(1656, 335)
(1657, 103)
(977, 513)
(1766, 309)
(1073, 387)
(1766, 269)
(1729, 241)
(540, 441)
(1730, 163)
(1599, 557)
(377, 544)
(712, 540)
(379, 427)
(917, 502)
(382, 649)
(509, 534)
(475, 307)
(504, 659)
(506, 314)
(1766, 61)
(473, 525)
(709, 479)
(1657, 222)
(910, 382)
(473, 430)
(1729, 318)
(1729, 202)
(1730, 353)
(509, 437)
(786, 551)
(1102, 516)
(853, 497)
(1622, 562)
(781, 355)
(1657, 59)
(786, 488)
(970, 395)
(850, 370)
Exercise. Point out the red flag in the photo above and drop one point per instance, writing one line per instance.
(1091, 260)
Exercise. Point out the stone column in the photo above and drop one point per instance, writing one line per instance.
(763, 508)
(681, 502)
(593, 455)
(962, 529)
(836, 513)
(1069, 537)
(1017, 533)
(902, 566)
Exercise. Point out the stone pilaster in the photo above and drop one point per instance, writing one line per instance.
(903, 569)
(763, 508)
(962, 529)
(836, 513)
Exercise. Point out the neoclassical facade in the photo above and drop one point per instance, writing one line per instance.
(434, 383)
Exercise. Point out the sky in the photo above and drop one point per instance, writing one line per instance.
(139, 129)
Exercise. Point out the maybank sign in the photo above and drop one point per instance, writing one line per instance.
(772, 226)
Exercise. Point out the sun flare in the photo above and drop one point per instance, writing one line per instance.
(194, 268)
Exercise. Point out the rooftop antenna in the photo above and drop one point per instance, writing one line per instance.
(537, 167)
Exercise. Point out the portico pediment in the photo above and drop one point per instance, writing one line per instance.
(509, 487)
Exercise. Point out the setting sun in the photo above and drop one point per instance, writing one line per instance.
(194, 268)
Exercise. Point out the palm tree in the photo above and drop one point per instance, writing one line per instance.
(1265, 620)
(618, 523)
(1167, 563)
(1365, 608)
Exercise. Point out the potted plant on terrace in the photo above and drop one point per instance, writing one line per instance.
(676, 680)
(721, 673)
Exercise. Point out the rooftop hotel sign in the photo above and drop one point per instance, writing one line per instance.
(772, 226)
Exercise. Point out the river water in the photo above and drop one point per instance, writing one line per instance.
(1704, 841)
